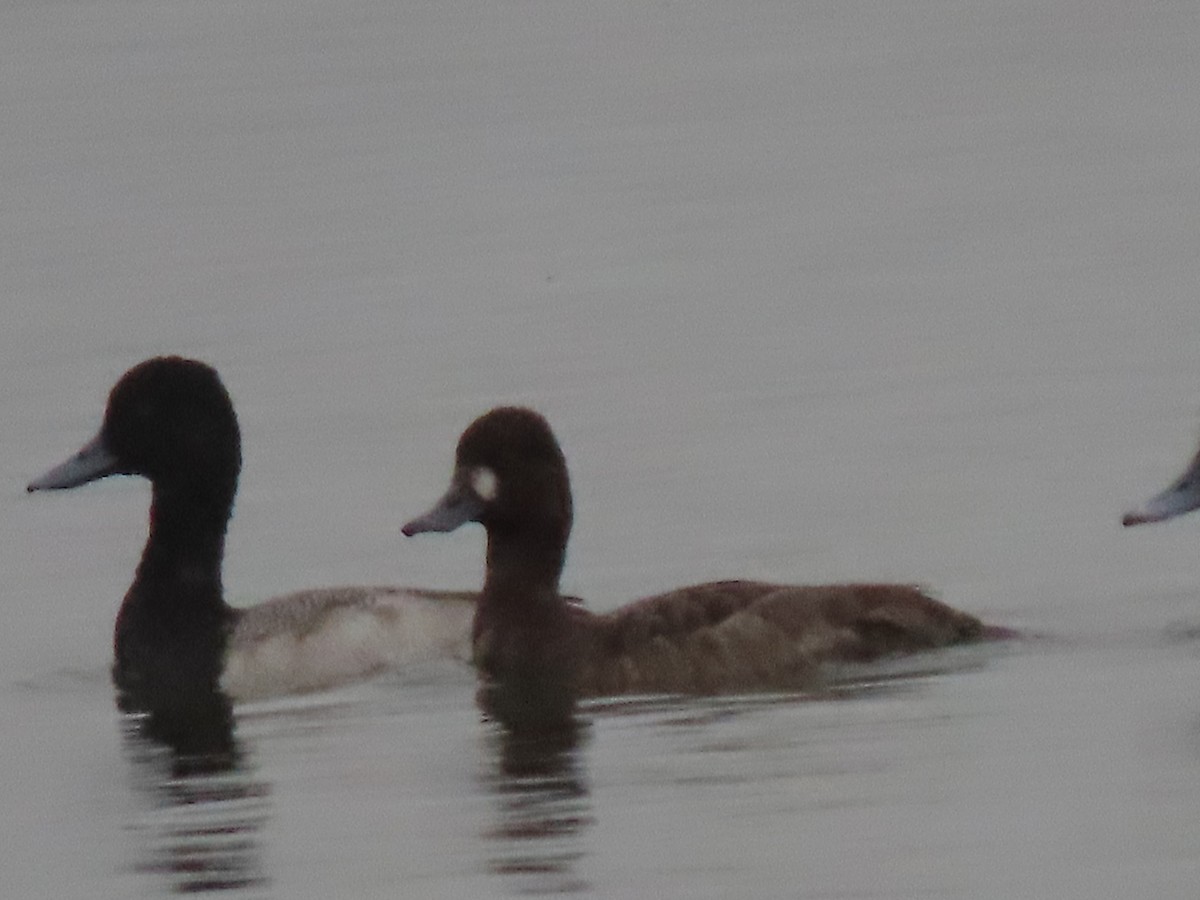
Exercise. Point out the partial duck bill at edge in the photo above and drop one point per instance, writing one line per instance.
(1181, 497)
(456, 507)
(1175, 501)
(94, 460)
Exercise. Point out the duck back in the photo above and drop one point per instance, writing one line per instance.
(746, 635)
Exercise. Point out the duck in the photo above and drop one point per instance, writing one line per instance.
(1181, 496)
(177, 643)
(532, 649)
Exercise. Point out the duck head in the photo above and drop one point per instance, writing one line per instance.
(509, 475)
(168, 419)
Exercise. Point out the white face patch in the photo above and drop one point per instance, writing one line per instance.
(485, 483)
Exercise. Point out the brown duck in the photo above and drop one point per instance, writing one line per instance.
(730, 636)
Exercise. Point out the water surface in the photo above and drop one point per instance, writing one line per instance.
(820, 291)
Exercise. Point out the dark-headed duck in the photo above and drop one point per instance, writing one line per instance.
(171, 421)
(510, 476)
(1182, 496)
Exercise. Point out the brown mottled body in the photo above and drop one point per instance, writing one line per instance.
(749, 635)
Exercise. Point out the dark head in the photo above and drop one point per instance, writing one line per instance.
(509, 475)
(168, 419)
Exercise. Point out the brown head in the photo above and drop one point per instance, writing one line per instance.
(510, 476)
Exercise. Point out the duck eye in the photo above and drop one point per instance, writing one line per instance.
(485, 483)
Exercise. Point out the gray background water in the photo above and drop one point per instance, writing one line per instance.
(891, 289)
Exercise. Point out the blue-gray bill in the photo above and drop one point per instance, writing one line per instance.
(94, 460)
(1181, 497)
(456, 507)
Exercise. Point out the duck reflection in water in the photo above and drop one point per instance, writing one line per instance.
(543, 808)
(200, 829)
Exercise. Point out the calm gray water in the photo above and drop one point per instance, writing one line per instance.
(891, 289)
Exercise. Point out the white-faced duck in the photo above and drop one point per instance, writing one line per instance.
(171, 421)
(1181, 496)
(730, 636)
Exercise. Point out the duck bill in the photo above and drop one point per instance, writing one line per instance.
(94, 460)
(457, 506)
(1181, 497)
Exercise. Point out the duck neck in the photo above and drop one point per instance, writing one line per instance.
(523, 567)
(181, 563)
(173, 627)
(522, 638)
